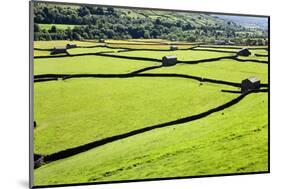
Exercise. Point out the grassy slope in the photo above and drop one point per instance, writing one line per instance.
(88, 64)
(228, 70)
(233, 142)
(86, 110)
(181, 55)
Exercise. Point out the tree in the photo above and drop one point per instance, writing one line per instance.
(76, 36)
(110, 10)
(99, 11)
(83, 11)
(109, 22)
(146, 34)
(36, 28)
(53, 29)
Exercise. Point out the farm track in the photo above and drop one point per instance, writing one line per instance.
(44, 159)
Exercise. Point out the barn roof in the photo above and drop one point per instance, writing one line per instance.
(170, 56)
(253, 79)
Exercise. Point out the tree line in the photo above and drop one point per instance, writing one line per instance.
(94, 22)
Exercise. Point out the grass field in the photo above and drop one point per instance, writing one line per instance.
(88, 64)
(77, 111)
(233, 142)
(228, 70)
(89, 107)
(181, 54)
(91, 50)
(52, 44)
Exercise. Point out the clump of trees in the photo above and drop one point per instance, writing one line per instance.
(106, 22)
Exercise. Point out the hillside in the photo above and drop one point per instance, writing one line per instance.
(92, 22)
(258, 23)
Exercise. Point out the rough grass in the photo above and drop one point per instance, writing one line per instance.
(228, 70)
(88, 64)
(77, 111)
(232, 142)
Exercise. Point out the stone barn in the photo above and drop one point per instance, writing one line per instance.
(71, 45)
(169, 60)
(101, 40)
(244, 52)
(173, 47)
(250, 84)
(58, 50)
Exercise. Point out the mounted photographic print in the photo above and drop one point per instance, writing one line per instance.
(122, 94)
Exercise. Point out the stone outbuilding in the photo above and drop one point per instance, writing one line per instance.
(250, 83)
(101, 40)
(169, 60)
(71, 46)
(58, 50)
(173, 48)
(244, 52)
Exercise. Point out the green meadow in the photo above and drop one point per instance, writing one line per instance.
(184, 55)
(88, 64)
(227, 70)
(78, 111)
(232, 141)
(86, 110)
